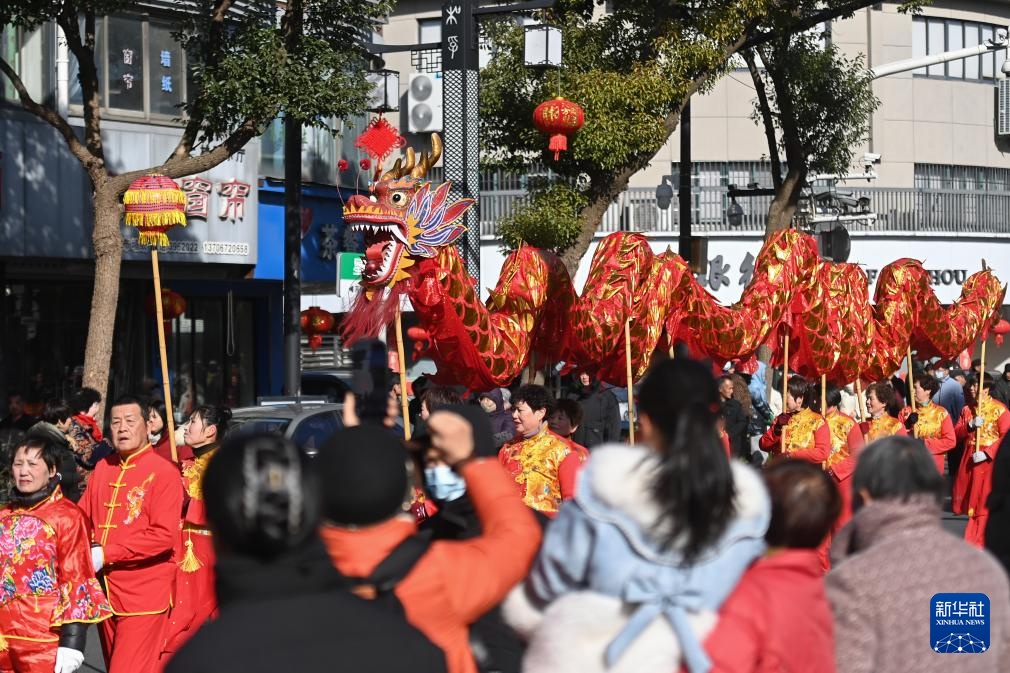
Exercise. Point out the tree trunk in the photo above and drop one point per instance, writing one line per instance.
(783, 206)
(108, 242)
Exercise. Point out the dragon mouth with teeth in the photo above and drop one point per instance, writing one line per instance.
(385, 244)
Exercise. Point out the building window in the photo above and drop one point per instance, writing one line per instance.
(31, 53)
(973, 178)
(429, 30)
(141, 69)
(935, 36)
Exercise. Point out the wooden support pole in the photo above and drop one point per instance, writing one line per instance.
(631, 382)
(785, 389)
(403, 375)
(163, 352)
(981, 396)
(824, 395)
(911, 389)
(860, 399)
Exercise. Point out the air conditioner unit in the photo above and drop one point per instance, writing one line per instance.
(424, 103)
(1003, 116)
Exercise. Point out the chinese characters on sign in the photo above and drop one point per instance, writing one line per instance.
(960, 609)
(127, 57)
(235, 192)
(128, 80)
(197, 196)
(166, 83)
(328, 241)
(166, 58)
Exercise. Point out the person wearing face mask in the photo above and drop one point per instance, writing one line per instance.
(930, 422)
(800, 432)
(879, 397)
(194, 601)
(46, 558)
(987, 421)
(543, 465)
(494, 645)
(950, 395)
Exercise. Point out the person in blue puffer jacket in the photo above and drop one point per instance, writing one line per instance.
(634, 568)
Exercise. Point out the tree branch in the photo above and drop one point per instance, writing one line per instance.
(766, 117)
(87, 73)
(809, 22)
(213, 47)
(52, 118)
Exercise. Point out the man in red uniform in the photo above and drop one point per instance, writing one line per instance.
(134, 501)
(800, 432)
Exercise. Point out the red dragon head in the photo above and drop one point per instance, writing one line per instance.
(404, 219)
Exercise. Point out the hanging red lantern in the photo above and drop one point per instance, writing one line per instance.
(560, 118)
(315, 323)
(1000, 329)
(154, 204)
(172, 305)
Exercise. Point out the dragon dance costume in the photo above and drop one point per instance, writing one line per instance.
(49, 592)
(544, 468)
(134, 503)
(807, 437)
(973, 481)
(935, 428)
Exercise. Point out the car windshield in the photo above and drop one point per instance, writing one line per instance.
(259, 424)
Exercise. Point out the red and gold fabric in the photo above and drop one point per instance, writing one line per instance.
(46, 576)
(806, 437)
(135, 504)
(195, 601)
(845, 440)
(884, 426)
(973, 481)
(544, 468)
(934, 428)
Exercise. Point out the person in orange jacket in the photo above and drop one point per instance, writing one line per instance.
(880, 397)
(778, 617)
(454, 582)
(134, 502)
(805, 432)
(973, 481)
(930, 422)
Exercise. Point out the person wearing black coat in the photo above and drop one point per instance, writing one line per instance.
(997, 530)
(282, 604)
(736, 420)
(601, 414)
(53, 427)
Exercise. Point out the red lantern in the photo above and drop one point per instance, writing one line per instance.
(560, 118)
(154, 204)
(315, 323)
(172, 305)
(1001, 328)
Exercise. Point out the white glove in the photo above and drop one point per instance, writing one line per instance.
(68, 660)
(977, 422)
(979, 456)
(97, 558)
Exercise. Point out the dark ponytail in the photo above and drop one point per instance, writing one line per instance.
(261, 498)
(215, 416)
(694, 484)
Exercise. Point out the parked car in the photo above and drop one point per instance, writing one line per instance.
(307, 424)
(333, 384)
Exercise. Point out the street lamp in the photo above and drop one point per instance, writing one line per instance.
(385, 95)
(542, 47)
(734, 214)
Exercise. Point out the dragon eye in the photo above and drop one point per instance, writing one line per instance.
(398, 198)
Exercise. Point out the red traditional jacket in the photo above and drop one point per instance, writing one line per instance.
(884, 426)
(935, 429)
(973, 481)
(544, 468)
(807, 437)
(846, 440)
(135, 504)
(47, 578)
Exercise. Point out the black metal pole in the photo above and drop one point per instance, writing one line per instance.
(293, 229)
(684, 197)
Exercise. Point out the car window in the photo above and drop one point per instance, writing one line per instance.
(330, 387)
(245, 426)
(313, 431)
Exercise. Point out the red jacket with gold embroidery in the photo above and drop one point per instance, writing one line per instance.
(544, 468)
(135, 505)
(807, 437)
(47, 580)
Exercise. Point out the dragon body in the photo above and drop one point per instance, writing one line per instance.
(534, 315)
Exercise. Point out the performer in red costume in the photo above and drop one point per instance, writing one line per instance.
(930, 422)
(973, 481)
(806, 433)
(846, 441)
(880, 396)
(195, 601)
(49, 593)
(134, 501)
(543, 465)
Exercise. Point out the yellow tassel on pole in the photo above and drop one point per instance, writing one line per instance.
(189, 563)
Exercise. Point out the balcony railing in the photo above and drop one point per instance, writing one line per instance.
(903, 210)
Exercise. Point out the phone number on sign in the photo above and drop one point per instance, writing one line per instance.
(220, 248)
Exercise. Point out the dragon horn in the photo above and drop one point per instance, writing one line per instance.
(394, 172)
(428, 159)
(409, 165)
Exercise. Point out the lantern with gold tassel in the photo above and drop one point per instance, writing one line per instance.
(154, 204)
(316, 322)
(560, 118)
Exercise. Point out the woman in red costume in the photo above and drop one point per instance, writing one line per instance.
(801, 432)
(880, 397)
(973, 481)
(49, 593)
(930, 422)
(195, 601)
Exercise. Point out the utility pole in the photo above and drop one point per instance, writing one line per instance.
(293, 225)
(684, 196)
